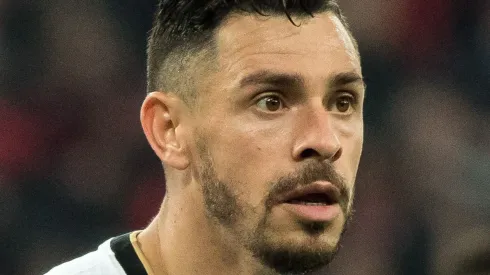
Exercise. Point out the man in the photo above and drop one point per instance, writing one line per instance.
(255, 110)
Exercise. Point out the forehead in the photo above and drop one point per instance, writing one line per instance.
(320, 46)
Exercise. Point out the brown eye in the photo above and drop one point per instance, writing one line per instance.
(270, 103)
(344, 104)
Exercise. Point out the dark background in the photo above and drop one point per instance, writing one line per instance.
(75, 168)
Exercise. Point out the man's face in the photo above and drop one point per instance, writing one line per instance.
(279, 137)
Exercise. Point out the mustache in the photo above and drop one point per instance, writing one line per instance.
(313, 171)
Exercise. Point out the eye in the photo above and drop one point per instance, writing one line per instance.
(344, 104)
(270, 103)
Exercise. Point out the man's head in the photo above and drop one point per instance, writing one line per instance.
(258, 119)
(183, 34)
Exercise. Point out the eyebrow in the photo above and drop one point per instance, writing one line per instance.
(346, 78)
(270, 77)
(288, 79)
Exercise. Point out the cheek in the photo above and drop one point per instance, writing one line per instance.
(351, 136)
(249, 157)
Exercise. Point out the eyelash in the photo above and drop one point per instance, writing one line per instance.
(352, 96)
(270, 94)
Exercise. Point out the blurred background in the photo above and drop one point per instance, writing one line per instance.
(75, 168)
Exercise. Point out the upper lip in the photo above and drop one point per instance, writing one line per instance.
(326, 188)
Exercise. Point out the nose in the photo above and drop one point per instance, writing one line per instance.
(316, 138)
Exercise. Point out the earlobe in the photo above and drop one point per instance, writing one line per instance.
(160, 118)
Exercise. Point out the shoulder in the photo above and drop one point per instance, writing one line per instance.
(99, 262)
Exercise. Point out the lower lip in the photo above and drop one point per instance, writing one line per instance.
(317, 213)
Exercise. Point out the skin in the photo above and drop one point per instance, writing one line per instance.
(233, 137)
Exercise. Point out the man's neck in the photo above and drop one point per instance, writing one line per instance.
(182, 241)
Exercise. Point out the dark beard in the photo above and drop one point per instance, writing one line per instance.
(294, 261)
(222, 205)
(287, 262)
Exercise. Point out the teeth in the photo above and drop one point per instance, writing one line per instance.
(308, 203)
(312, 199)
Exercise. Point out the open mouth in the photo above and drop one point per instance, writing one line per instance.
(313, 199)
(315, 194)
(317, 202)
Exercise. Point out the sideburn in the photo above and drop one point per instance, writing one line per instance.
(220, 202)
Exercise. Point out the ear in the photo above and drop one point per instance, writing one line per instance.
(160, 117)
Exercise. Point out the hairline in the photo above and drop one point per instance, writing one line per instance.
(205, 50)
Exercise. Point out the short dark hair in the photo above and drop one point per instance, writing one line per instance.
(183, 28)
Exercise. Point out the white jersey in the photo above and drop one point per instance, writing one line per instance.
(116, 256)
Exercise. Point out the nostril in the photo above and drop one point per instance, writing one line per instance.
(337, 154)
(309, 153)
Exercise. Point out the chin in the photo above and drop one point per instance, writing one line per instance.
(302, 251)
(297, 260)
